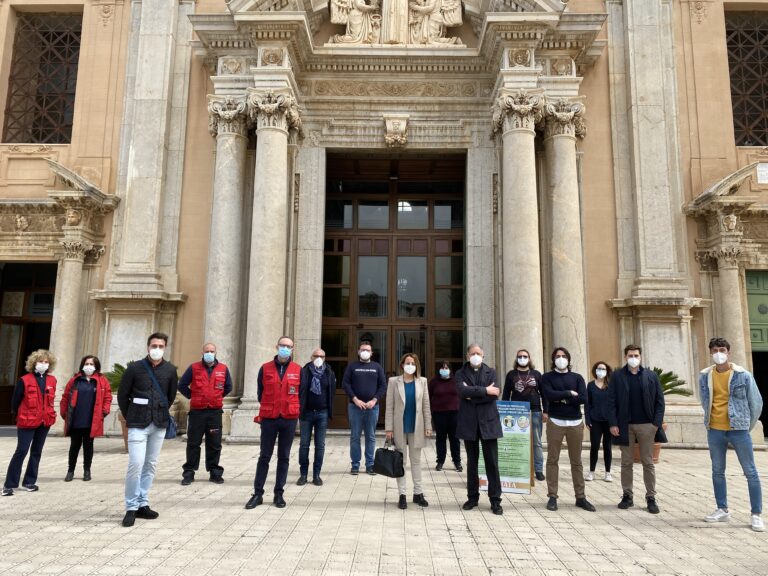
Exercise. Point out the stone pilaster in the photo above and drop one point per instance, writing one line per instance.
(564, 122)
(515, 116)
(223, 310)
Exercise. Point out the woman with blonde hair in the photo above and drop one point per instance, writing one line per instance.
(33, 403)
(408, 422)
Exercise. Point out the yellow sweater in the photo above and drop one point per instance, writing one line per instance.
(718, 416)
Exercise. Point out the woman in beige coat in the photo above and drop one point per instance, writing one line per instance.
(408, 421)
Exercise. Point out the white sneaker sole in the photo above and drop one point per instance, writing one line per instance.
(716, 520)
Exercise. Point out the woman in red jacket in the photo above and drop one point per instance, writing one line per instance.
(33, 403)
(84, 405)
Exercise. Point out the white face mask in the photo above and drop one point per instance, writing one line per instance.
(318, 362)
(88, 370)
(156, 354)
(409, 368)
(475, 360)
(41, 367)
(561, 363)
(633, 362)
(601, 373)
(365, 355)
(523, 361)
(720, 357)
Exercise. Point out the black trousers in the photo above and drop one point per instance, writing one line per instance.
(274, 430)
(599, 430)
(26, 438)
(204, 423)
(80, 437)
(445, 428)
(491, 459)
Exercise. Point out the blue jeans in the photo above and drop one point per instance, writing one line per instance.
(362, 421)
(143, 449)
(742, 443)
(26, 437)
(317, 419)
(538, 450)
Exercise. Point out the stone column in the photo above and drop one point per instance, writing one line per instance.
(731, 314)
(564, 122)
(515, 117)
(275, 113)
(228, 115)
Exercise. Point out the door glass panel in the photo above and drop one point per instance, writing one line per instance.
(335, 302)
(336, 269)
(378, 341)
(372, 286)
(448, 347)
(411, 286)
(449, 215)
(335, 343)
(449, 303)
(412, 215)
(449, 270)
(373, 214)
(338, 214)
(414, 341)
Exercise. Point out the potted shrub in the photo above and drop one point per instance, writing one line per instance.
(671, 384)
(114, 377)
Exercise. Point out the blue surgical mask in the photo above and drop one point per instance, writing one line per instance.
(284, 352)
(209, 357)
(445, 372)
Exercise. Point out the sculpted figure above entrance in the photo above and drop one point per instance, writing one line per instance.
(396, 22)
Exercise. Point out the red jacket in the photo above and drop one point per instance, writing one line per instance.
(207, 391)
(280, 398)
(37, 409)
(101, 407)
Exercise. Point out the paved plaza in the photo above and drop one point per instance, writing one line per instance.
(352, 525)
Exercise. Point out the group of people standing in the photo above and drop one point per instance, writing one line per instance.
(625, 407)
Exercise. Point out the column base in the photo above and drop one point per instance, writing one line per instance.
(242, 428)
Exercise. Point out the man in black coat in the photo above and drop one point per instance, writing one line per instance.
(478, 424)
(635, 414)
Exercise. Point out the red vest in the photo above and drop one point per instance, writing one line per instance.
(207, 391)
(280, 398)
(36, 408)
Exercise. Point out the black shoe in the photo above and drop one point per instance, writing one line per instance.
(370, 471)
(653, 508)
(552, 503)
(301, 481)
(626, 502)
(30, 487)
(253, 502)
(420, 500)
(469, 504)
(402, 502)
(354, 471)
(584, 504)
(187, 480)
(146, 513)
(317, 481)
(216, 479)
(540, 476)
(438, 467)
(86, 475)
(129, 518)
(459, 467)
(497, 509)
(70, 476)
(7, 491)
(279, 501)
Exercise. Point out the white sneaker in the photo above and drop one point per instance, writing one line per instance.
(608, 477)
(719, 515)
(757, 523)
(589, 477)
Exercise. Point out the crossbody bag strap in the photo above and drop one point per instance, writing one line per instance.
(155, 382)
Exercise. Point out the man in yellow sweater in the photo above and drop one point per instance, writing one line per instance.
(732, 404)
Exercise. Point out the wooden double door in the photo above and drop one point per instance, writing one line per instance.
(393, 266)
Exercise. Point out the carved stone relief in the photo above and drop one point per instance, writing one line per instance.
(394, 89)
(396, 130)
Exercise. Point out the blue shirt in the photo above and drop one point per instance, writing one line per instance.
(409, 415)
(82, 413)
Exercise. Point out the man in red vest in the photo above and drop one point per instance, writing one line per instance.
(278, 392)
(205, 383)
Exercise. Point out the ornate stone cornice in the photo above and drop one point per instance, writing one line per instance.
(517, 111)
(564, 117)
(227, 115)
(268, 109)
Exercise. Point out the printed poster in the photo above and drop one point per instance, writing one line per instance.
(514, 449)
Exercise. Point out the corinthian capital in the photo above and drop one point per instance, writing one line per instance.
(227, 115)
(564, 117)
(727, 256)
(76, 249)
(519, 110)
(273, 110)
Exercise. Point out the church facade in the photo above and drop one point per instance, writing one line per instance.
(421, 174)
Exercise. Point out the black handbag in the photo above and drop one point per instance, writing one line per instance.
(388, 461)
